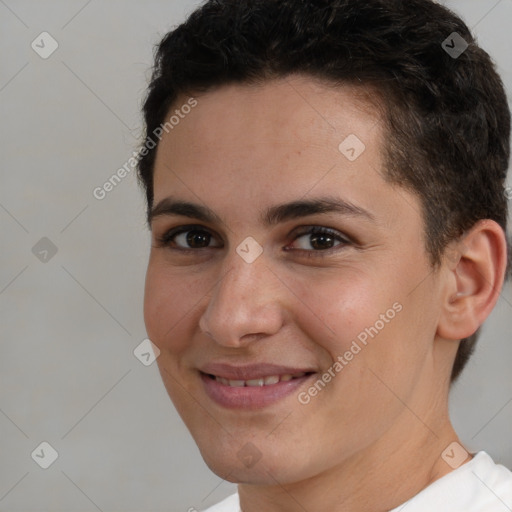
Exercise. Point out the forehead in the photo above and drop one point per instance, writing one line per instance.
(287, 109)
(294, 115)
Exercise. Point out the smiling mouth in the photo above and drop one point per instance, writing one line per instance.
(255, 391)
(260, 382)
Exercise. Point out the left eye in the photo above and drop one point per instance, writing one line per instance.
(320, 239)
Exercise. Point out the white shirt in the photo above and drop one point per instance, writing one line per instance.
(480, 485)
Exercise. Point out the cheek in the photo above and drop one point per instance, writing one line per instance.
(343, 306)
(370, 321)
(169, 304)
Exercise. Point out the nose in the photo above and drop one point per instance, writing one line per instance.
(245, 304)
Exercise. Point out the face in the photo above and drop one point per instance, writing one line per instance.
(291, 298)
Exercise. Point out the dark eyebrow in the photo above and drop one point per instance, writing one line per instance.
(302, 208)
(272, 216)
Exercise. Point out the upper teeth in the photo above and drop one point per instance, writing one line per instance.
(265, 381)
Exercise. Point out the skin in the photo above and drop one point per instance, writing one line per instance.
(373, 437)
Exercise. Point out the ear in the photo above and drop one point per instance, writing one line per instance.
(475, 270)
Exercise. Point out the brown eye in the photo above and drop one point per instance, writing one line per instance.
(320, 239)
(196, 239)
(187, 238)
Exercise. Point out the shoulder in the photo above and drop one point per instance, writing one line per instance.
(495, 477)
(230, 504)
(479, 485)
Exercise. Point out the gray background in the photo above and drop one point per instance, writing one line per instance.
(70, 325)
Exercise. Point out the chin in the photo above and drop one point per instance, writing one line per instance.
(231, 470)
(246, 465)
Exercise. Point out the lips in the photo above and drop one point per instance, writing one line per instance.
(251, 386)
(264, 381)
(252, 372)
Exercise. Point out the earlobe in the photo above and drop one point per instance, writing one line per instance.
(475, 270)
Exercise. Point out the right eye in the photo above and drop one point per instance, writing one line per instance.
(186, 238)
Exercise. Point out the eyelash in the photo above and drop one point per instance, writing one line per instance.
(167, 238)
